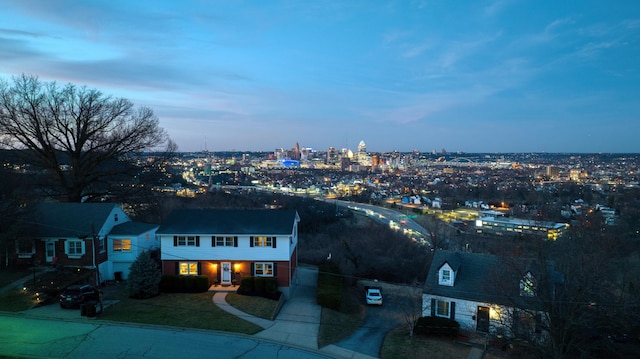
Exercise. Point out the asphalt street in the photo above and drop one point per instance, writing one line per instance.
(49, 338)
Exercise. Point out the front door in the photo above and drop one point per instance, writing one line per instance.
(50, 250)
(482, 321)
(226, 273)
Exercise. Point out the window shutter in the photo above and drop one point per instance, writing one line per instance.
(433, 307)
(273, 243)
(199, 268)
(253, 269)
(175, 241)
(275, 269)
(235, 241)
(453, 310)
(197, 241)
(213, 241)
(177, 268)
(251, 241)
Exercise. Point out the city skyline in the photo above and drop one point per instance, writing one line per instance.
(490, 76)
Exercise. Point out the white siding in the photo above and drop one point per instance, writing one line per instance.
(244, 251)
(466, 312)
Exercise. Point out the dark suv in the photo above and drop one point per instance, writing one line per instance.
(75, 295)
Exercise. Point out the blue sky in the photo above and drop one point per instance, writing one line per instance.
(471, 76)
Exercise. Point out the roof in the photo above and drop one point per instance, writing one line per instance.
(68, 219)
(132, 228)
(229, 221)
(484, 277)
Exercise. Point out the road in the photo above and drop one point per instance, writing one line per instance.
(55, 338)
(391, 217)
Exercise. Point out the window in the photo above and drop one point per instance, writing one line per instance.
(262, 241)
(228, 241)
(188, 268)
(446, 275)
(101, 241)
(186, 241)
(121, 245)
(25, 248)
(263, 269)
(75, 248)
(442, 308)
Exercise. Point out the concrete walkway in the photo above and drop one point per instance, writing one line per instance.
(298, 322)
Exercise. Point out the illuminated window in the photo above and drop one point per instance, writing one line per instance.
(262, 241)
(442, 308)
(121, 245)
(188, 268)
(263, 269)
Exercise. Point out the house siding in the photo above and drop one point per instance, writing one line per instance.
(466, 312)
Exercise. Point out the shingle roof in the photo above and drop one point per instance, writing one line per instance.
(485, 277)
(473, 272)
(68, 219)
(132, 228)
(225, 221)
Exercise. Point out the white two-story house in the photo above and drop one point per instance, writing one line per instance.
(226, 244)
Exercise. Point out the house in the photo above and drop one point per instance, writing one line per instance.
(126, 241)
(487, 293)
(226, 245)
(79, 235)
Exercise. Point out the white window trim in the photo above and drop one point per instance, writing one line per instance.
(74, 255)
(264, 266)
(121, 240)
(441, 278)
(268, 241)
(224, 241)
(189, 264)
(26, 254)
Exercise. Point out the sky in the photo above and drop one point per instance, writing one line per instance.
(257, 75)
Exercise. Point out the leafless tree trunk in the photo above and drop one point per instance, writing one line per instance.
(75, 134)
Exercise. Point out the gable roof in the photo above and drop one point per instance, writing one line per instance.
(68, 219)
(229, 221)
(484, 277)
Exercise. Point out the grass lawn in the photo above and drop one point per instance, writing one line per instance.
(398, 344)
(187, 310)
(338, 325)
(257, 306)
(9, 275)
(16, 301)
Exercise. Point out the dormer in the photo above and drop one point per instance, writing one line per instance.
(446, 275)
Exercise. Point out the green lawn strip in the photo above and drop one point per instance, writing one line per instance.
(338, 325)
(256, 306)
(9, 275)
(16, 301)
(187, 310)
(398, 344)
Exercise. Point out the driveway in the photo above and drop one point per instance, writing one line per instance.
(379, 321)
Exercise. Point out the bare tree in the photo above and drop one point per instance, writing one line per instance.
(76, 135)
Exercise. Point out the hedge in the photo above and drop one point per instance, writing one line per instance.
(259, 286)
(437, 326)
(329, 292)
(184, 284)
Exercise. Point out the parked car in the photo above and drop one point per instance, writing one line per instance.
(75, 295)
(373, 295)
